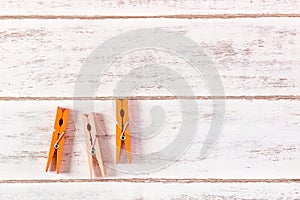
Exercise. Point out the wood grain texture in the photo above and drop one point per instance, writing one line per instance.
(258, 140)
(42, 58)
(146, 7)
(150, 191)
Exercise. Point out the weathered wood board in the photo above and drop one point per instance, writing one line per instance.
(258, 140)
(151, 191)
(253, 56)
(147, 7)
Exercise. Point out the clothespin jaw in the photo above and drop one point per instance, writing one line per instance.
(58, 136)
(92, 143)
(122, 128)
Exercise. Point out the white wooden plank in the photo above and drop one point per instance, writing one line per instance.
(150, 191)
(142, 7)
(253, 56)
(259, 140)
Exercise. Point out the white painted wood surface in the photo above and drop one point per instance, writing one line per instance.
(258, 140)
(255, 46)
(253, 56)
(146, 7)
(151, 191)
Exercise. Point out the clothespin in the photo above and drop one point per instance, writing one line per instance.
(122, 128)
(92, 143)
(58, 137)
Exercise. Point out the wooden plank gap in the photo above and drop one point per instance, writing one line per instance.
(180, 16)
(154, 180)
(267, 97)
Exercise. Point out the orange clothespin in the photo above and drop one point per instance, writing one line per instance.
(58, 136)
(92, 143)
(122, 128)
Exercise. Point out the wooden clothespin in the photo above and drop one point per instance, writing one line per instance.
(58, 136)
(122, 128)
(92, 142)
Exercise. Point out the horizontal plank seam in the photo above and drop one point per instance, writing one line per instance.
(155, 180)
(180, 16)
(267, 97)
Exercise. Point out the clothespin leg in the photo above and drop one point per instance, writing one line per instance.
(118, 144)
(90, 161)
(100, 164)
(52, 150)
(99, 156)
(127, 146)
(102, 168)
(59, 153)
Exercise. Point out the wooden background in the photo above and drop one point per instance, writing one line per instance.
(255, 46)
